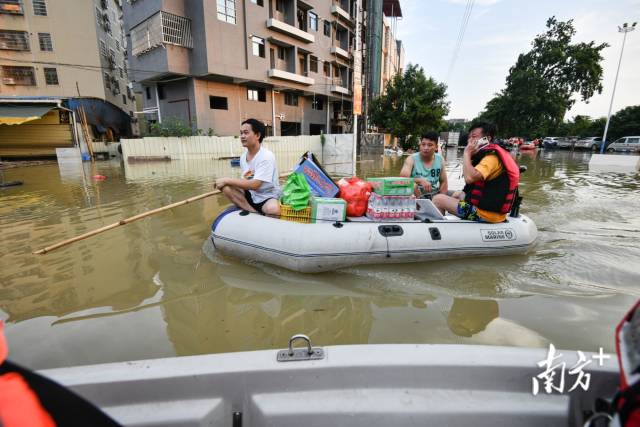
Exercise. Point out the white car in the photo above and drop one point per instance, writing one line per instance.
(591, 143)
(625, 144)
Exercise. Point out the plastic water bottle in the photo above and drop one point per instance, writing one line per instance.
(377, 207)
(406, 205)
(385, 208)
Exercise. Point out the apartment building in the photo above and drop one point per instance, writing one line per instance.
(214, 63)
(64, 49)
(392, 52)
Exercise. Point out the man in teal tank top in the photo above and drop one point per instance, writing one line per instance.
(426, 167)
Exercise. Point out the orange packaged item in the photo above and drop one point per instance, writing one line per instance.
(356, 193)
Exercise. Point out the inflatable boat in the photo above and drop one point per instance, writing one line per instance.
(327, 245)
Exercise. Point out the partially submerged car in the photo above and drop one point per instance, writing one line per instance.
(630, 144)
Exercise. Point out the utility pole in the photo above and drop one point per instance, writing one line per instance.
(624, 29)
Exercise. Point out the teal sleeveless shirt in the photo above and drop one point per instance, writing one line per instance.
(431, 174)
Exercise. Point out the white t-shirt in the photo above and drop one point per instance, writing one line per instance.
(262, 167)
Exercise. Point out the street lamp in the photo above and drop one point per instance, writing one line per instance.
(624, 29)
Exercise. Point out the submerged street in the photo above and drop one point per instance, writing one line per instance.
(157, 288)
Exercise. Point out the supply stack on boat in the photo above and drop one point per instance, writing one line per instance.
(373, 222)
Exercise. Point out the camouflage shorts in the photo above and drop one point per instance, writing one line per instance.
(467, 211)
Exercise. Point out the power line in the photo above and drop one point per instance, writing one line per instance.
(461, 33)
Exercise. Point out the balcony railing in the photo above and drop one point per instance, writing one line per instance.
(285, 75)
(160, 29)
(283, 27)
(340, 52)
(338, 11)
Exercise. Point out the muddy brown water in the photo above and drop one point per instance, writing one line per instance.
(156, 288)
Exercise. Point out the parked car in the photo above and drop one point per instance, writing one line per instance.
(592, 143)
(625, 144)
(567, 142)
(550, 142)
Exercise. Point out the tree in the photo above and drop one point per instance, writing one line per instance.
(413, 104)
(625, 122)
(542, 85)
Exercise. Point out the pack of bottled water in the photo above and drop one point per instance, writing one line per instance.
(391, 208)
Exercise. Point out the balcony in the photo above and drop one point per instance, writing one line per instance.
(338, 11)
(340, 52)
(340, 89)
(292, 77)
(289, 30)
(11, 7)
(161, 29)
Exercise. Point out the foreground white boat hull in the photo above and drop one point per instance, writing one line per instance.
(326, 246)
(365, 385)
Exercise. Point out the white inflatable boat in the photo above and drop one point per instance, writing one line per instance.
(325, 246)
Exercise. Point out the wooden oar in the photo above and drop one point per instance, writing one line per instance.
(131, 219)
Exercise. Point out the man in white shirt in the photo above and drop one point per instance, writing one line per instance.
(258, 189)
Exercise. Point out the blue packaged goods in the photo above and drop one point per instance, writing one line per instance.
(320, 182)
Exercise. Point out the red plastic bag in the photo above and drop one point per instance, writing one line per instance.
(356, 193)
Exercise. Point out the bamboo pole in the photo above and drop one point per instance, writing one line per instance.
(124, 222)
(131, 219)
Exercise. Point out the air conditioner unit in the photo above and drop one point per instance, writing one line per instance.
(8, 80)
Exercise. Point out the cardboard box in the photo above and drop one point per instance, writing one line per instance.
(328, 209)
(392, 186)
(320, 182)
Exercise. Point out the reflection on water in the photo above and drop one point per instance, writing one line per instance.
(157, 288)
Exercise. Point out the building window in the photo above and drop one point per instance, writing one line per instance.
(14, 40)
(11, 7)
(218, 103)
(313, 64)
(290, 99)
(23, 76)
(327, 28)
(124, 99)
(40, 7)
(326, 68)
(161, 94)
(117, 45)
(103, 48)
(258, 2)
(313, 21)
(107, 80)
(147, 91)
(258, 46)
(46, 44)
(99, 17)
(227, 11)
(256, 94)
(121, 72)
(51, 76)
(281, 53)
(317, 103)
(280, 5)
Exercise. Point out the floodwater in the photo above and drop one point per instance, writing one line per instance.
(156, 288)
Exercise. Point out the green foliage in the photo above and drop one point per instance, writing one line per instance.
(541, 86)
(413, 104)
(625, 122)
(174, 126)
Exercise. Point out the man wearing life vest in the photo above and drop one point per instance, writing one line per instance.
(426, 167)
(491, 176)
